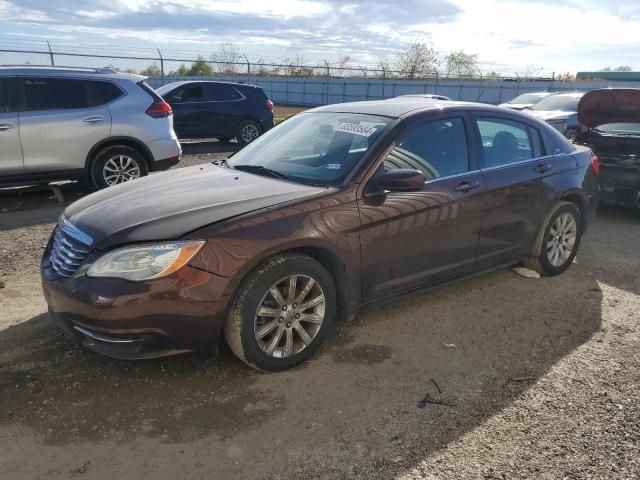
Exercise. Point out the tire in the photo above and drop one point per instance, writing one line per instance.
(281, 327)
(543, 259)
(115, 156)
(248, 131)
(572, 135)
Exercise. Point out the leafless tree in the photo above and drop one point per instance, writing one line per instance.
(418, 59)
(228, 59)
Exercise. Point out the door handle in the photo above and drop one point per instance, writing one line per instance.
(96, 119)
(542, 167)
(464, 187)
(6, 126)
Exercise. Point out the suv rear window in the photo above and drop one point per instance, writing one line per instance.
(220, 93)
(54, 93)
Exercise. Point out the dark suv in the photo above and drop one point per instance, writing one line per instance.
(219, 109)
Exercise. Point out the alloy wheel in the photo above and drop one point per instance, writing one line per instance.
(289, 316)
(249, 133)
(120, 169)
(561, 239)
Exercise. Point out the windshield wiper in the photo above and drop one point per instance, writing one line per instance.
(260, 170)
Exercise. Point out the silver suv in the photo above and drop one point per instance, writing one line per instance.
(92, 125)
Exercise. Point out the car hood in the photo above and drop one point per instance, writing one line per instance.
(168, 205)
(615, 105)
(547, 115)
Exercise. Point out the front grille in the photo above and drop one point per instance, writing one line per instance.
(69, 248)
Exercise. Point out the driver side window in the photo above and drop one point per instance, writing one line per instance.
(437, 149)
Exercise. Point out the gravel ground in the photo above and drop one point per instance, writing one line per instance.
(535, 378)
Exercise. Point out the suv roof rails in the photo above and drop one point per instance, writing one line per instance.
(62, 67)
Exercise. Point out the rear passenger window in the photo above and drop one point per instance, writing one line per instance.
(4, 94)
(108, 91)
(437, 149)
(220, 93)
(504, 141)
(54, 94)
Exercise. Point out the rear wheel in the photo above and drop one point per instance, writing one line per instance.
(248, 131)
(558, 241)
(117, 164)
(282, 313)
(572, 135)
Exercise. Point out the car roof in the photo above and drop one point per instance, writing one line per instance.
(569, 94)
(540, 94)
(59, 71)
(213, 82)
(407, 106)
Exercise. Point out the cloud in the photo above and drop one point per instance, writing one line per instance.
(505, 33)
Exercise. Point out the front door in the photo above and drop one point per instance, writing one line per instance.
(192, 115)
(410, 239)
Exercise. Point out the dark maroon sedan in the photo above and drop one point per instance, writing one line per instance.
(338, 207)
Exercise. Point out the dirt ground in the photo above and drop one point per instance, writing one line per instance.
(536, 378)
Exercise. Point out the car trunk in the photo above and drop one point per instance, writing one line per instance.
(618, 150)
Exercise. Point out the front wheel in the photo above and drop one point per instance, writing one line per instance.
(282, 313)
(248, 131)
(558, 241)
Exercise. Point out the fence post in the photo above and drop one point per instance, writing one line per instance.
(161, 67)
(384, 78)
(51, 54)
(327, 82)
(435, 90)
(517, 84)
(248, 68)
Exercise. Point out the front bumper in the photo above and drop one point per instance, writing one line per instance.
(134, 320)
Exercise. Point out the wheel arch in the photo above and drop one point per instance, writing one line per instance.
(580, 202)
(115, 141)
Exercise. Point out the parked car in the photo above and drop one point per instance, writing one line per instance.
(561, 112)
(221, 110)
(268, 248)
(431, 96)
(613, 118)
(93, 125)
(526, 100)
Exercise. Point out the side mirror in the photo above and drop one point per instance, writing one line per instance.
(402, 180)
(173, 100)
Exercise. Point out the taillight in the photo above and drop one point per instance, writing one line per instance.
(595, 163)
(159, 109)
(269, 105)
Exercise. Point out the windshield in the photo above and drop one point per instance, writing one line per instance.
(165, 89)
(316, 148)
(566, 103)
(625, 128)
(527, 98)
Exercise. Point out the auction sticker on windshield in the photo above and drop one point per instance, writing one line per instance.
(355, 129)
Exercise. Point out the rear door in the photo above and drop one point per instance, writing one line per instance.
(192, 112)
(59, 123)
(414, 238)
(514, 167)
(228, 106)
(11, 162)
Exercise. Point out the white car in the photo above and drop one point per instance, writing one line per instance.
(526, 100)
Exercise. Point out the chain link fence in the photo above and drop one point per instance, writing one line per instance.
(288, 82)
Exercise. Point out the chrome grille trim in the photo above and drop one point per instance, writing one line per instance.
(70, 246)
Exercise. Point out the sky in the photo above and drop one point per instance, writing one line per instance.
(507, 35)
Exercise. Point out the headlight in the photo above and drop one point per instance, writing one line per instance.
(145, 262)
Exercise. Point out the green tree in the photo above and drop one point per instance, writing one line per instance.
(200, 68)
(152, 71)
(461, 64)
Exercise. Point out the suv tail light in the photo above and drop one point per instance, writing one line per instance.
(269, 104)
(595, 163)
(159, 109)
